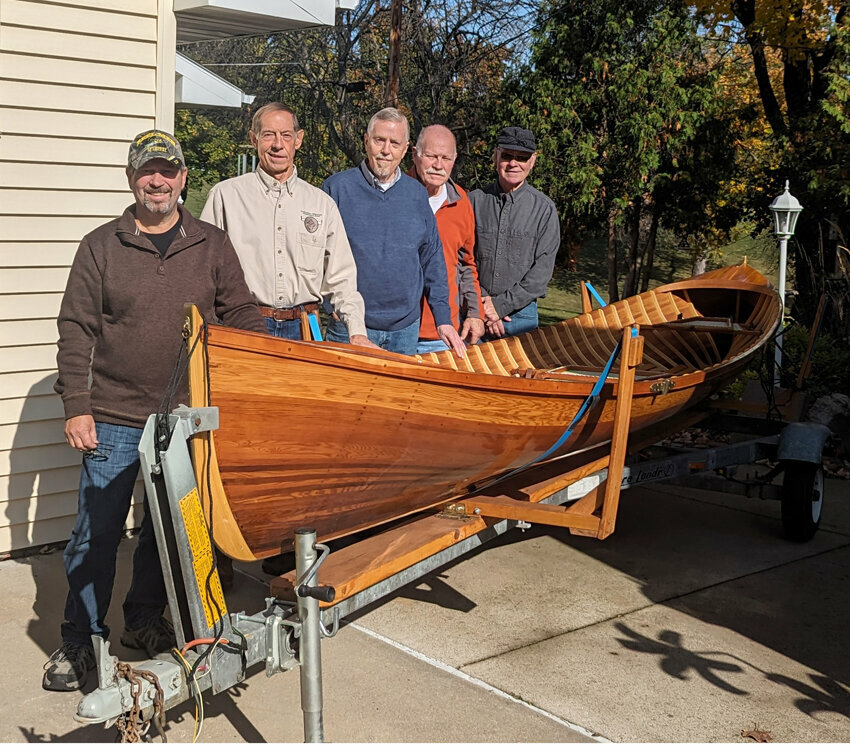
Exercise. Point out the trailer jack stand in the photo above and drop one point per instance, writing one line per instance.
(217, 647)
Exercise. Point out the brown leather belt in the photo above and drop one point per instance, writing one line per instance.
(288, 315)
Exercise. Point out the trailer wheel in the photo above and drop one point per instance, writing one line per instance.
(802, 499)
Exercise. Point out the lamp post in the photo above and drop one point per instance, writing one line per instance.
(786, 209)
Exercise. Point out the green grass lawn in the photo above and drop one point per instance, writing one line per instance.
(196, 197)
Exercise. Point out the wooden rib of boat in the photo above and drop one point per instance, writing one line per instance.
(341, 438)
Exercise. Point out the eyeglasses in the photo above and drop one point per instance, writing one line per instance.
(522, 158)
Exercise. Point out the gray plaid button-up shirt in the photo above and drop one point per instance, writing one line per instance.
(517, 236)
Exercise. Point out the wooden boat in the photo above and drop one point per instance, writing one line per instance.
(341, 438)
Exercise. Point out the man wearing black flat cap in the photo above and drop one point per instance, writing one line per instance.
(517, 235)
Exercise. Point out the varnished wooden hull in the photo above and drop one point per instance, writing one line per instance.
(340, 439)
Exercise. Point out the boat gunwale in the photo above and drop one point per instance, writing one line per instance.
(383, 363)
(578, 385)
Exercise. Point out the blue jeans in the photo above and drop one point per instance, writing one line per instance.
(521, 321)
(106, 488)
(397, 341)
(431, 346)
(291, 329)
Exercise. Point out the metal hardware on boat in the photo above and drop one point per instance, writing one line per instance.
(187, 328)
(522, 525)
(662, 387)
(453, 511)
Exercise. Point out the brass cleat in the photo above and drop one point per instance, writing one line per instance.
(453, 511)
(662, 387)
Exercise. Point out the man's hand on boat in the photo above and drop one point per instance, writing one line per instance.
(363, 342)
(450, 337)
(492, 321)
(81, 433)
(472, 330)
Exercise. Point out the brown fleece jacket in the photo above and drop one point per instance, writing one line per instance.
(121, 317)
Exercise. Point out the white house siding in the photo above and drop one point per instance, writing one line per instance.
(78, 79)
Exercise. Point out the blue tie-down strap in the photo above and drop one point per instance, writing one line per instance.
(315, 330)
(588, 403)
(596, 295)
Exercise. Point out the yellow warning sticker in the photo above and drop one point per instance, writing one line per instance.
(212, 597)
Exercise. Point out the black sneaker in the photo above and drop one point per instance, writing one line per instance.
(68, 667)
(156, 637)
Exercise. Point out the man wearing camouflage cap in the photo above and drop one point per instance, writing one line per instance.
(120, 326)
(517, 235)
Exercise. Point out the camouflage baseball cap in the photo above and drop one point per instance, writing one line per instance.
(155, 144)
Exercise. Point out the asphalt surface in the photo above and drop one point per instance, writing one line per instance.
(694, 622)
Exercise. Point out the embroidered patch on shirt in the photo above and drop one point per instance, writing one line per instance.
(312, 221)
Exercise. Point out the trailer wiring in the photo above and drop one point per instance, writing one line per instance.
(162, 436)
(201, 642)
(196, 695)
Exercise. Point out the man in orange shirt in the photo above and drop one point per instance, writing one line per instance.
(433, 159)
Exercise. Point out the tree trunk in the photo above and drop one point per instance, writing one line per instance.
(745, 11)
(391, 96)
(699, 262)
(572, 239)
(649, 251)
(573, 248)
(629, 283)
(808, 271)
(645, 229)
(613, 293)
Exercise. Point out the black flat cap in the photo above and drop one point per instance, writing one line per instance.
(518, 139)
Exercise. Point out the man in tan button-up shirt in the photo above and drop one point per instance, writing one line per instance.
(288, 234)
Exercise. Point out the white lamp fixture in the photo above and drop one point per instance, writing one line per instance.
(786, 209)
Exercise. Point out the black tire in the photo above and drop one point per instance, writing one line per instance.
(802, 499)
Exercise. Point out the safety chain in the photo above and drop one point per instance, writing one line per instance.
(131, 725)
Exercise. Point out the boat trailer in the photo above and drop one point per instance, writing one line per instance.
(307, 605)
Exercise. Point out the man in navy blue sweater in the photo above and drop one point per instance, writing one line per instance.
(394, 238)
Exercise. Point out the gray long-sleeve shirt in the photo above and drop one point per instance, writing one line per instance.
(517, 236)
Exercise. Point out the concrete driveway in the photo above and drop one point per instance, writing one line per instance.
(693, 622)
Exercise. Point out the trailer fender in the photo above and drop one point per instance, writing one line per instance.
(803, 441)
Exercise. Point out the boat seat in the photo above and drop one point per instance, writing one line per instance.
(720, 325)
